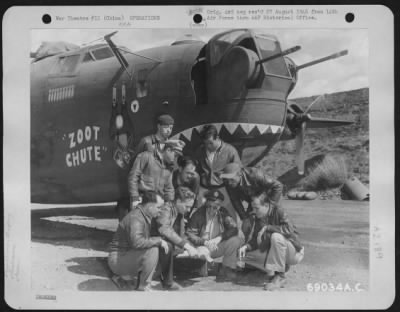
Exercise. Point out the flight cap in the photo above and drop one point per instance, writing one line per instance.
(176, 145)
(184, 193)
(165, 120)
(214, 195)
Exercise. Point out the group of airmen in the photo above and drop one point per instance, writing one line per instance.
(177, 209)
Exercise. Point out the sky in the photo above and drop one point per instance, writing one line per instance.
(346, 73)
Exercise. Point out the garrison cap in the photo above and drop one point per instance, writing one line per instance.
(176, 145)
(184, 193)
(165, 120)
(214, 195)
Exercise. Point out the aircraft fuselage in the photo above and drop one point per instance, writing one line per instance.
(76, 96)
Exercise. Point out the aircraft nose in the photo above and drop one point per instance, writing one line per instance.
(230, 80)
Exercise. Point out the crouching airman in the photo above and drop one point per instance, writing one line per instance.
(134, 254)
(215, 234)
(170, 225)
(242, 183)
(272, 244)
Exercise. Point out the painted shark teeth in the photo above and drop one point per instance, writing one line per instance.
(262, 128)
(231, 127)
(187, 133)
(247, 127)
(218, 126)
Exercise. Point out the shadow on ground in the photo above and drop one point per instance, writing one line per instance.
(186, 273)
(250, 277)
(89, 266)
(67, 234)
(93, 266)
(100, 212)
(97, 284)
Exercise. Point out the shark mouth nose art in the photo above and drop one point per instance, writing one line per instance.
(233, 128)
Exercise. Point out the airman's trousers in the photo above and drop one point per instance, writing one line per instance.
(132, 262)
(228, 250)
(280, 255)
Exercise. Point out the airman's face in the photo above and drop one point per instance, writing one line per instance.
(184, 207)
(232, 182)
(170, 156)
(188, 173)
(259, 208)
(211, 144)
(213, 205)
(165, 131)
(154, 209)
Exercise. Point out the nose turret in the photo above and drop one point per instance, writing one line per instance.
(235, 73)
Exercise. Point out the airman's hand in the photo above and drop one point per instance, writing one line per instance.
(191, 250)
(260, 234)
(207, 244)
(242, 251)
(212, 244)
(164, 245)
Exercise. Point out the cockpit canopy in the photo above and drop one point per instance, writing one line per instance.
(242, 59)
(268, 46)
(70, 62)
(101, 52)
(187, 39)
(263, 45)
(221, 43)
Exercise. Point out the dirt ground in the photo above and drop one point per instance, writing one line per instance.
(69, 249)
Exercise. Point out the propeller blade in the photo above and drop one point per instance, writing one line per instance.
(300, 148)
(317, 100)
(317, 122)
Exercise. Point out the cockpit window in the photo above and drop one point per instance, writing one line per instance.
(221, 44)
(269, 47)
(87, 58)
(102, 53)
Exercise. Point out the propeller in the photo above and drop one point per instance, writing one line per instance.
(300, 147)
(303, 120)
(317, 100)
(300, 135)
(298, 119)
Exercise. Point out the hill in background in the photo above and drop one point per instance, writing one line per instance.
(351, 142)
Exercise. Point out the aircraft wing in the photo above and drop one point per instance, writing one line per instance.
(317, 122)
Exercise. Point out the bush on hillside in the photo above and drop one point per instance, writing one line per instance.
(330, 172)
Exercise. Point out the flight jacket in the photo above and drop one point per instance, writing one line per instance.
(193, 185)
(170, 225)
(148, 144)
(276, 221)
(209, 173)
(198, 222)
(253, 181)
(134, 232)
(149, 173)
